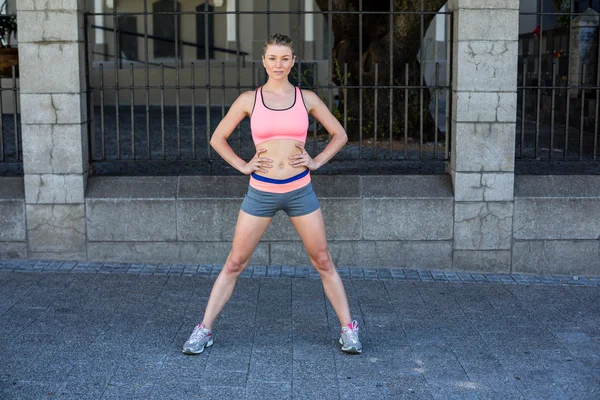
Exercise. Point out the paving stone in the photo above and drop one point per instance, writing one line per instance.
(260, 271)
(302, 272)
(384, 274)
(397, 274)
(247, 272)
(190, 269)
(215, 270)
(287, 271)
(268, 390)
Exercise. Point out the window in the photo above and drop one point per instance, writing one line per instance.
(128, 46)
(164, 28)
(201, 20)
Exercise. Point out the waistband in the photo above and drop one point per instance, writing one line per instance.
(265, 184)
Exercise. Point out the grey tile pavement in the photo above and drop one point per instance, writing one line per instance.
(72, 330)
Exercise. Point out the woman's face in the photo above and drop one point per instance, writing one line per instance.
(278, 61)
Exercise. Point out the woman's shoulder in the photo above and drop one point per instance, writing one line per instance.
(310, 98)
(249, 94)
(246, 100)
(307, 93)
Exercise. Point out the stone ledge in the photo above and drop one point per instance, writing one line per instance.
(235, 187)
(407, 186)
(548, 186)
(132, 187)
(487, 4)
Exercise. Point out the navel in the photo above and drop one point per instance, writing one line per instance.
(281, 166)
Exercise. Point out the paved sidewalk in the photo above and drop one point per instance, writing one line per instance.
(115, 331)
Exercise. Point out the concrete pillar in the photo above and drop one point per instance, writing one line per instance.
(53, 115)
(484, 101)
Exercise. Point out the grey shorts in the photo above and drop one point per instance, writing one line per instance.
(298, 202)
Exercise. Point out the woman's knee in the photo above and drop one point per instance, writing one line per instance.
(236, 263)
(322, 261)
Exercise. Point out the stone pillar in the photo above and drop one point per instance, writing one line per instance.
(53, 116)
(484, 101)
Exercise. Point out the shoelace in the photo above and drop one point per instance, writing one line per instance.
(199, 333)
(352, 334)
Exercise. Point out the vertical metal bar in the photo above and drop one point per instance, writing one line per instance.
(330, 56)
(103, 141)
(91, 134)
(147, 74)
(391, 91)
(437, 92)
(539, 82)
(449, 36)
(253, 75)
(316, 78)
(406, 73)
(437, 82)
(162, 108)
(223, 87)
(268, 18)
(15, 115)
(360, 81)
(421, 80)
(178, 125)
(207, 81)
(237, 58)
(375, 112)
(345, 89)
(552, 109)
(193, 73)
(132, 94)
(116, 67)
(299, 57)
(523, 110)
(597, 101)
(571, 7)
(582, 109)
(1, 125)
(567, 121)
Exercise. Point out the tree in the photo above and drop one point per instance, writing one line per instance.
(8, 26)
(376, 35)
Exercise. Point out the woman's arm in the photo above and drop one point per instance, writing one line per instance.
(240, 108)
(319, 110)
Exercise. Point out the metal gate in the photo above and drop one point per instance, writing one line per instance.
(156, 95)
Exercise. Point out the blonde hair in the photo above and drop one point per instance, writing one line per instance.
(279, 40)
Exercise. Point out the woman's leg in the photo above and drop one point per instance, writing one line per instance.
(248, 231)
(311, 229)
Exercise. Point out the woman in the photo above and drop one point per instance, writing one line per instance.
(279, 180)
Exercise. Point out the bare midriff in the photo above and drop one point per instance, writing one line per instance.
(279, 150)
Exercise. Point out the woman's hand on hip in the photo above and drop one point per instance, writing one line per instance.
(257, 163)
(303, 160)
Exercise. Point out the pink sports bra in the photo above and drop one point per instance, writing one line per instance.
(287, 123)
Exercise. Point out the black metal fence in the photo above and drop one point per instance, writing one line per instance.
(154, 114)
(558, 82)
(11, 153)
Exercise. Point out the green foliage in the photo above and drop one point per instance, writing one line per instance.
(562, 6)
(8, 25)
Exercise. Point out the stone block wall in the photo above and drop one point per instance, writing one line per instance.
(370, 221)
(557, 225)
